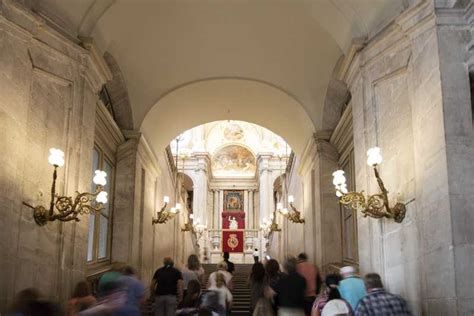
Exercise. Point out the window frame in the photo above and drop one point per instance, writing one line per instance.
(348, 165)
(96, 261)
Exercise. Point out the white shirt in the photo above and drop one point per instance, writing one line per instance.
(224, 295)
(227, 278)
(255, 253)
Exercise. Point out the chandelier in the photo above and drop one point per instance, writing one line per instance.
(376, 205)
(65, 208)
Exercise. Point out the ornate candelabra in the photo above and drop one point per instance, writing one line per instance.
(188, 226)
(65, 208)
(376, 205)
(293, 214)
(164, 215)
(269, 226)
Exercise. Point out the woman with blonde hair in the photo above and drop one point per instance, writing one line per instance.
(222, 269)
(224, 295)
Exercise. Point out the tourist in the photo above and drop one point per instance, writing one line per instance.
(191, 301)
(352, 287)
(230, 265)
(221, 268)
(273, 275)
(255, 255)
(135, 291)
(291, 290)
(258, 285)
(309, 273)
(81, 299)
(331, 294)
(111, 302)
(113, 275)
(22, 301)
(224, 294)
(167, 284)
(380, 302)
(192, 271)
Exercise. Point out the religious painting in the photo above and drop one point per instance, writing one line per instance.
(233, 241)
(233, 161)
(233, 201)
(233, 132)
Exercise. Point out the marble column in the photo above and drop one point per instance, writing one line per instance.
(246, 208)
(200, 190)
(266, 187)
(251, 213)
(220, 208)
(215, 217)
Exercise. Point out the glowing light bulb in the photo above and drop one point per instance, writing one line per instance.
(279, 206)
(374, 156)
(338, 178)
(178, 206)
(56, 157)
(166, 199)
(291, 198)
(100, 177)
(102, 197)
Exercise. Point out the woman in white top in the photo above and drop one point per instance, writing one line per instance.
(222, 269)
(225, 296)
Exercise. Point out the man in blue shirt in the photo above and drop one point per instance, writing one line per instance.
(135, 292)
(352, 287)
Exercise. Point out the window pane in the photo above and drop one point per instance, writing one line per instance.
(348, 235)
(103, 233)
(95, 166)
(109, 170)
(90, 238)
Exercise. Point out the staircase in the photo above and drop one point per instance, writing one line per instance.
(241, 292)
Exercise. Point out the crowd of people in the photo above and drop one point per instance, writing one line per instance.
(295, 289)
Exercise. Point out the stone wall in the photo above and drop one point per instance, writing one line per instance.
(410, 97)
(49, 88)
(48, 97)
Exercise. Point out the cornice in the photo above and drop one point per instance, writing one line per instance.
(148, 157)
(106, 130)
(99, 73)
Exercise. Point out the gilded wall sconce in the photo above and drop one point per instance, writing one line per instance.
(269, 226)
(293, 214)
(377, 205)
(188, 226)
(65, 208)
(164, 215)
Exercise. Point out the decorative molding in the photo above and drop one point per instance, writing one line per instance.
(356, 45)
(147, 157)
(343, 135)
(307, 157)
(100, 71)
(107, 133)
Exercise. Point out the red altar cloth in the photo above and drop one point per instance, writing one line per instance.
(233, 241)
(239, 217)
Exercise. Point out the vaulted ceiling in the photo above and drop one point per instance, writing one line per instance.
(165, 45)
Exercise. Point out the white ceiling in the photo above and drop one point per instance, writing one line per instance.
(164, 46)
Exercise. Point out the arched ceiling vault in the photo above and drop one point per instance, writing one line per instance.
(163, 45)
(222, 99)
